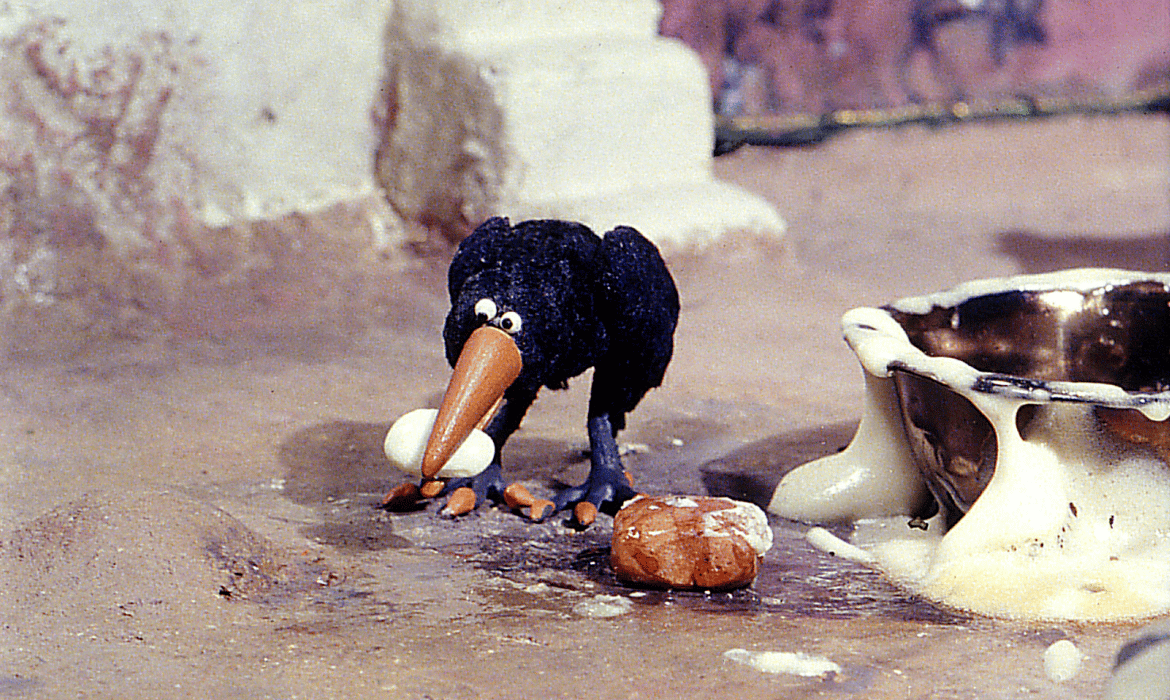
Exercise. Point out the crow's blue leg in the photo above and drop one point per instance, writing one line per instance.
(607, 484)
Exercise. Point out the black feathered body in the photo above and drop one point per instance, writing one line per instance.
(585, 301)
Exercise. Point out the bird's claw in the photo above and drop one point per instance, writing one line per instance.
(517, 497)
(402, 497)
(589, 498)
(585, 513)
(586, 500)
(407, 496)
(432, 488)
(461, 502)
(462, 494)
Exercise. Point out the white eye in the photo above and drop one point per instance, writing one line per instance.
(485, 310)
(510, 322)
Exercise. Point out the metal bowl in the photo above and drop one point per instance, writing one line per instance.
(1093, 341)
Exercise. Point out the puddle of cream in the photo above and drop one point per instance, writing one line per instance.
(874, 475)
(1073, 534)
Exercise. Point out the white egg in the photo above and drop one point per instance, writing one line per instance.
(407, 441)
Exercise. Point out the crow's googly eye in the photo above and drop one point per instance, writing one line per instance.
(510, 322)
(485, 310)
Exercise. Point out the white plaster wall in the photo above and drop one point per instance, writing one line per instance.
(153, 150)
(564, 110)
(152, 115)
(187, 163)
(269, 108)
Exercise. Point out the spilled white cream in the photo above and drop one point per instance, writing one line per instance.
(827, 542)
(743, 519)
(791, 663)
(875, 475)
(602, 606)
(1062, 661)
(1074, 523)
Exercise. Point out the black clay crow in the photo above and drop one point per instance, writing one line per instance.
(534, 305)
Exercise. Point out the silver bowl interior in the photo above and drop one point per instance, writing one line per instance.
(1116, 335)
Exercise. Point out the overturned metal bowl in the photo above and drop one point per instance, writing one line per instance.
(1013, 455)
(994, 355)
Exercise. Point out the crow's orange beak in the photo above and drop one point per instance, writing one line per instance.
(487, 366)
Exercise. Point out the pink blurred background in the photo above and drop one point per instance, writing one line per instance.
(799, 56)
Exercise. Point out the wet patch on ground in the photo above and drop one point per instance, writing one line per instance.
(331, 466)
(330, 460)
(795, 579)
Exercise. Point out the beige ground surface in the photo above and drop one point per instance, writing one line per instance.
(195, 518)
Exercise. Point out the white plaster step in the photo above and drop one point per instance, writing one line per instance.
(673, 215)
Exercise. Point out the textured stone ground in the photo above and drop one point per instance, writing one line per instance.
(196, 516)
